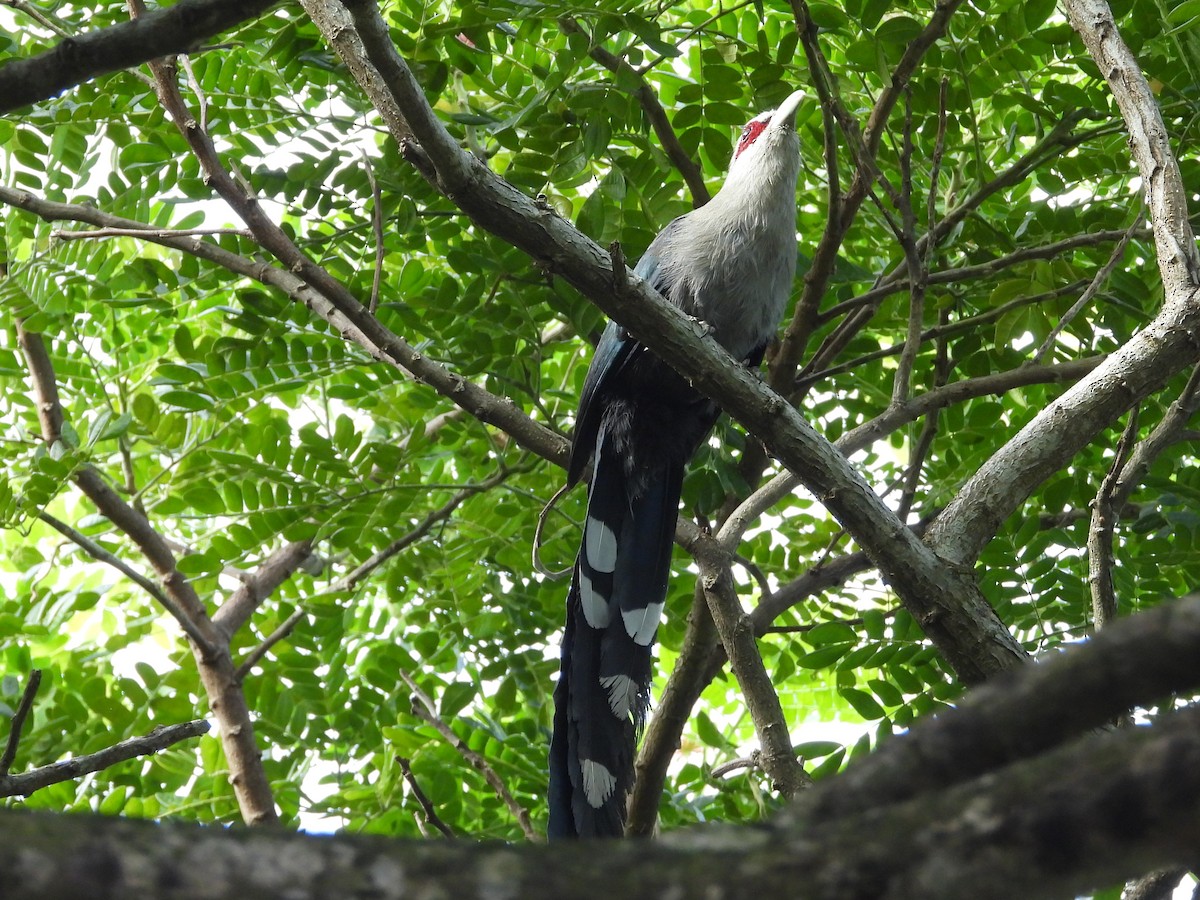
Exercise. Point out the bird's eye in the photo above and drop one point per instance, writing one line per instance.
(749, 135)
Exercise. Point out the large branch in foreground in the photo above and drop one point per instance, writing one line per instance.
(176, 29)
(159, 739)
(1132, 663)
(1049, 824)
(944, 600)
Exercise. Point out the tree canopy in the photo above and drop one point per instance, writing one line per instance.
(292, 329)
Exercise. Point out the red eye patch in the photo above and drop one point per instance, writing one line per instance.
(749, 135)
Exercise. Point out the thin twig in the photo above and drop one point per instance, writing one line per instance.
(349, 581)
(431, 815)
(423, 708)
(753, 761)
(939, 149)
(98, 553)
(1100, 535)
(918, 275)
(377, 228)
(201, 98)
(70, 235)
(18, 721)
(160, 738)
(895, 285)
(929, 430)
(864, 146)
(1168, 431)
(653, 109)
(251, 659)
(814, 372)
(37, 15)
(1092, 289)
(536, 552)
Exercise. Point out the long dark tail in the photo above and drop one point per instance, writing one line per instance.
(616, 598)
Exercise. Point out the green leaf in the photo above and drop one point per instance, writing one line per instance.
(864, 704)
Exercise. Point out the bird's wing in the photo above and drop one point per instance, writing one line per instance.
(614, 353)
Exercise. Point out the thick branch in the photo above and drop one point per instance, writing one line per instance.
(272, 572)
(1133, 663)
(176, 29)
(1055, 826)
(1166, 196)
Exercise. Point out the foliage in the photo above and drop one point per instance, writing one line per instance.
(238, 420)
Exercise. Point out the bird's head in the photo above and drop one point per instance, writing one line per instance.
(768, 140)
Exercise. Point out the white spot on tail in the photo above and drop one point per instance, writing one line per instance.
(622, 694)
(598, 782)
(601, 546)
(595, 605)
(642, 623)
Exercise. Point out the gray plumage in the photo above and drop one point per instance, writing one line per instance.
(731, 264)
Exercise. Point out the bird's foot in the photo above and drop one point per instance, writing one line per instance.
(701, 327)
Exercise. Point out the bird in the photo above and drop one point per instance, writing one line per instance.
(729, 264)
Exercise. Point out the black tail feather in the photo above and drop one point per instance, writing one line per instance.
(617, 591)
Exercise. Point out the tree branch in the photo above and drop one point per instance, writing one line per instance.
(896, 416)
(422, 798)
(381, 343)
(424, 708)
(1133, 663)
(160, 738)
(251, 659)
(733, 625)
(351, 579)
(657, 116)
(663, 731)
(1057, 823)
(176, 29)
(1100, 534)
(18, 721)
(211, 653)
(98, 553)
(1098, 281)
(271, 573)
